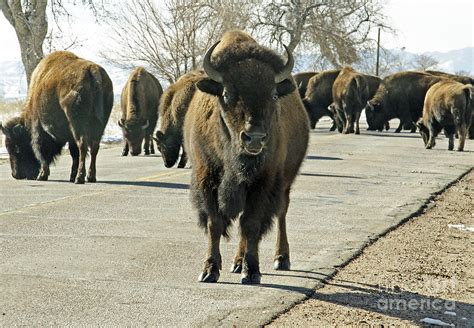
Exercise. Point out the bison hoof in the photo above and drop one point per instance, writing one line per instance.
(124, 153)
(209, 276)
(147, 153)
(357, 132)
(237, 266)
(152, 151)
(251, 278)
(42, 177)
(181, 165)
(281, 263)
(80, 180)
(91, 179)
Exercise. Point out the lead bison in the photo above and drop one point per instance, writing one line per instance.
(246, 134)
(139, 103)
(318, 97)
(350, 92)
(447, 106)
(69, 101)
(173, 108)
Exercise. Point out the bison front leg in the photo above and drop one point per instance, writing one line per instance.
(125, 148)
(213, 263)
(251, 230)
(183, 160)
(146, 146)
(74, 152)
(282, 248)
(239, 255)
(152, 145)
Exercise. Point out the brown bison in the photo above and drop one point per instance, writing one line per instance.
(351, 91)
(173, 107)
(246, 134)
(69, 101)
(447, 106)
(463, 80)
(318, 97)
(400, 95)
(301, 80)
(139, 103)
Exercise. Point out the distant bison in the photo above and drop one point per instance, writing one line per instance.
(173, 107)
(301, 80)
(246, 134)
(351, 91)
(319, 96)
(400, 95)
(69, 101)
(447, 106)
(463, 80)
(139, 102)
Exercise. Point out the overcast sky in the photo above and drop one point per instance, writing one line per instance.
(422, 25)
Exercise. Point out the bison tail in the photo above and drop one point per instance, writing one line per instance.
(469, 93)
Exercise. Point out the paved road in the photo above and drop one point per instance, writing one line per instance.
(127, 250)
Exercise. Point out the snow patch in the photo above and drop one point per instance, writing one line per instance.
(450, 313)
(436, 322)
(461, 227)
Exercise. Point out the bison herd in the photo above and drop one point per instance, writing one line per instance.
(243, 121)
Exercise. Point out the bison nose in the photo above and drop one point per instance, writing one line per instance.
(253, 142)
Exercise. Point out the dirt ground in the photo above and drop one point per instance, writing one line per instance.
(420, 272)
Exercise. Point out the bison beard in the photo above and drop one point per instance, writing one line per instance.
(246, 134)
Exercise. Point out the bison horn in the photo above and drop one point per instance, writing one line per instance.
(208, 68)
(285, 73)
(146, 124)
(370, 105)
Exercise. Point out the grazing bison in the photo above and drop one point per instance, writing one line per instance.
(400, 95)
(447, 106)
(139, 102)
(301, 80)
(69, 101)
(319, 96)
(246, 134)
(173, 107)
(351, 91)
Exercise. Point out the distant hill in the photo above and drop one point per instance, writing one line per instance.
(13, 81)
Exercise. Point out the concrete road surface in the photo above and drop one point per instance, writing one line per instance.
(126, 251)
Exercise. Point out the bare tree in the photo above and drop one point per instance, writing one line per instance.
(170, 39)
(30, 21)
(28, 18)
(424, 62)
(334, 29)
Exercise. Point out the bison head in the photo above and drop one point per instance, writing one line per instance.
(134, 132)
(23, 161)
(375, 117)
(169, 145)
(424, 132)
(249, 91)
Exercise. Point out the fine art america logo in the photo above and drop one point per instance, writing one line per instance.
(394, 299)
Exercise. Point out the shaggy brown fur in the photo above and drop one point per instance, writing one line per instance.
(318, 97)
(69, 101)
(301, 80)
(351, 91)
(447, 106)
(463, 80)
(173, 107)
(400, 95)
(246, 138)
(139, 102)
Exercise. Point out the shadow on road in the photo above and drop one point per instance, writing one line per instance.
(394, 135)
(323, 158)
(155, 184)
(387, 300)
(330, 175)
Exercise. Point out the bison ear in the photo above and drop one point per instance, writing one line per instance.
(210, 86)
(120, 123)
(159, 136)
(285, 87)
